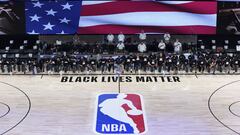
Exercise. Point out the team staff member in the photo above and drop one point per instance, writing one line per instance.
(110, 38)
(162, 46)
(142, 36)
(177, 47)
(121, 37)
(142, 47)
(120, 46)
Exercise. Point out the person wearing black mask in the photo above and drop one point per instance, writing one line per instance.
(110, 64)
(103, 65)
(192, 63)
(219, 63)
(169, 63)
(161, 60)
(235, 63)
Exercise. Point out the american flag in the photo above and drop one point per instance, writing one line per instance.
(50, 17)
(130, 17)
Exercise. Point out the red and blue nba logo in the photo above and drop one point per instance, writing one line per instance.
(120, 114)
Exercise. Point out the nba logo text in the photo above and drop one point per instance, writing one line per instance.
(120, 114)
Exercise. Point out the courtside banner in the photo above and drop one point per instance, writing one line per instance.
(120, 114)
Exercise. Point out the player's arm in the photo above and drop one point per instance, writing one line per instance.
(130, 105)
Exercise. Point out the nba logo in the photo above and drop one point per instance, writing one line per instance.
(120, 114)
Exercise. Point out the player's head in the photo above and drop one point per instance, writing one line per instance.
(121, 96)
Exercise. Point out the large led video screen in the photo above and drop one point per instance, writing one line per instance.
(12, 18)
(103, 17)
(130, 17)
(229, 18)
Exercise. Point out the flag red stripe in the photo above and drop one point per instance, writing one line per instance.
(116, 29)
(147, 6)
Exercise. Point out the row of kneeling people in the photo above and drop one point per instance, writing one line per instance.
(157, 63)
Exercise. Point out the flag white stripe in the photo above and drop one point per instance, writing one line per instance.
(175, 2)
(94, 2)
(165, 2)
(150, 19)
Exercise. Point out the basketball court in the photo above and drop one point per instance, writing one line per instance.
(197, 105)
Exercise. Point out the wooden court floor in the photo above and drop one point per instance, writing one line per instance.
(43, 105)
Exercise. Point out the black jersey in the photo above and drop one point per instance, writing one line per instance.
(190, 57)
(119, 60)
(133, 59)
(227, 61)
(83, 62)
(74, 62)
(66, 62)
(169, 61)
(93, 62)
(235, 61)
(182, 58)
(144, 60)
(138, 59)
(161, 60)
(152, 57)
(103, 61)
(152, 62)
(202, 61)
(128, 60)
(111, 61)
(175, 60)
(219, 61)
